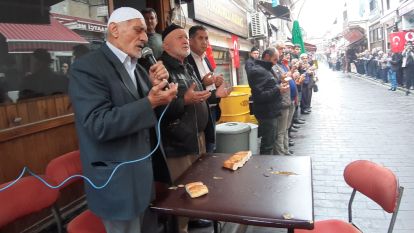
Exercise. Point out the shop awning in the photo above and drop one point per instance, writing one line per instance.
(280, 11)
(76, 23)
(353, 34)
(310, 47)
(22, 38)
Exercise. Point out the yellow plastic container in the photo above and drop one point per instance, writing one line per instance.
(235, 107)
(252, 119)
(243, 88)
(236, 118)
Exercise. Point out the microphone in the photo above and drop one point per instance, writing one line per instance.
(149, 55)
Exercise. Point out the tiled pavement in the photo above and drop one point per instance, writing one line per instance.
(354, 118)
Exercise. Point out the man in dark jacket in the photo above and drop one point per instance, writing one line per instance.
(187, 126)
(266, 98)
(214, 83)
(395, 65)
(254, 55)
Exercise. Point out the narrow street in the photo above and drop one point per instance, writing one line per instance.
(353, 119)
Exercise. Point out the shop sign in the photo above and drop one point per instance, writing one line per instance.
(398, 40)
(225, 15)
(90, 27)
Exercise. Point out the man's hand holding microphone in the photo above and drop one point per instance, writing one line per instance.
(161, 92)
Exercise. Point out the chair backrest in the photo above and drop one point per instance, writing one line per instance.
(64, 166)
(28, 195)
(374, 181)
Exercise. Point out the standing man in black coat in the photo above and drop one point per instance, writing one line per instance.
(267, 99)
(188, 124)
(254, 55)
(211, 82)
(113, 101)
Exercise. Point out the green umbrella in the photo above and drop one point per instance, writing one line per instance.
(297, 36)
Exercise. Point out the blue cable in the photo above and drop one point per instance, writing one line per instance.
(26, 169)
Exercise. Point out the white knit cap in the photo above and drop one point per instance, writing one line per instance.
(123, 14)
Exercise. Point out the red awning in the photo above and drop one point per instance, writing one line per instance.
(28, 37)
(310, 47)
(353, 34)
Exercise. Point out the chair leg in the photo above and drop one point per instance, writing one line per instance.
(394, 215)
(57, 217)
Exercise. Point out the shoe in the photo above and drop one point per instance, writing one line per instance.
(291, 152)
(304, 112)
(291, 136)
(299, 121)
(291, 143)
(390, 89)
(199, 223)
(394, 89)
(293, 130)
(296, 126)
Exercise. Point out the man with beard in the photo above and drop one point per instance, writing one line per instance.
(187, 126)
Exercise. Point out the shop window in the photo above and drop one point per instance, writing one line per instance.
(33, 68)
(241, 72)
(223, 62)
(380, 34)
(372, 5)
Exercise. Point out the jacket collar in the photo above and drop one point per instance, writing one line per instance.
(265, 64)
(172, 61)
(121, 70)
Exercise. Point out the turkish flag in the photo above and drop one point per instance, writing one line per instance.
(235, 40)
(210, 57)
(397, 41)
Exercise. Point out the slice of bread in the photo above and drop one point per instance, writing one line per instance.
(196, 189)
(237, 160)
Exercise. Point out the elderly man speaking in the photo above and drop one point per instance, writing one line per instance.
(113, 101)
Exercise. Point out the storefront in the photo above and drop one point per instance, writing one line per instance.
(406, 11)
(224, 22)
(22, 39)
(91, 30)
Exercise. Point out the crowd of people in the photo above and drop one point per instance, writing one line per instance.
(396, 68)
(282, 83)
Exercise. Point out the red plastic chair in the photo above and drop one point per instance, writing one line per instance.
(374, 181)
(86, 222)
(59, 169)
(27, 196)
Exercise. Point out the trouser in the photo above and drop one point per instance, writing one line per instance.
(267, 130)
(305, 100)
(211, 147)
(282, 133)
(289, 124)
(392, 77)
(177, 166)
(409, 76)
(145, 223)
